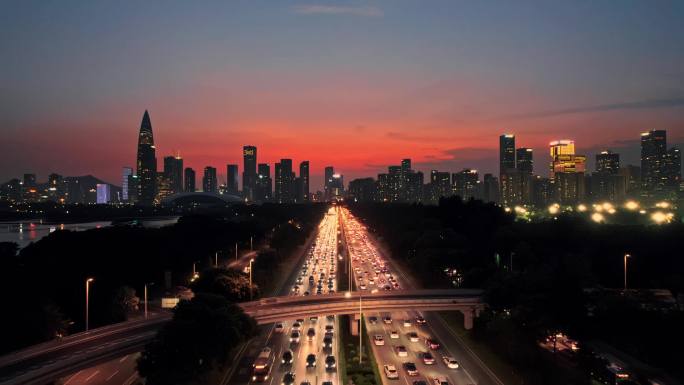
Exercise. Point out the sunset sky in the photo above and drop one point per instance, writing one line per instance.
(357, 85)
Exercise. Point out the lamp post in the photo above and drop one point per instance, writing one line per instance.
(216, 259)
(360, 328)
(251, 245)
(145, 291)
(625, 269)
(87, 310)
(236, 251)
(250, 278)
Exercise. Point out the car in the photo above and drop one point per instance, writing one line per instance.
(294, 337)
(420, 320)
(330, 363)
(327, 342)
(390, 371)
(427, 358)
(394, 334)
(329, 328)
(413, 337)
(401, 351)
(440, 380)
(279, 327)
(363, 286)
(300, 320)
(288, 357)
(310, 334)
(327, 383)
(387, 320)
(378, 340)
(330, 317)
(432, 344)
(410, 368)
(313, 318)
(419, 382)
(373, 320)
(296, 326)
(305, 383)
(288, 379)
(311, 361)
(407, 323)
(450, 362)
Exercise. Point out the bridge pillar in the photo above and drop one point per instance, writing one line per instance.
(354, 321)
(468, 315)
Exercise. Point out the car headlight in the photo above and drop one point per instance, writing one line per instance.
(253, 377)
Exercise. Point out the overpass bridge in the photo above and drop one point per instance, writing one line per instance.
(43, 363)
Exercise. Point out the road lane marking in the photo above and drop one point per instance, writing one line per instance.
(92, 375)
(72, 377)
(112, 375)
(123, 359)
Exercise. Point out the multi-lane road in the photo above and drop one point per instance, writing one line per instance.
(400, 338)
(316, 276)
(421, 347)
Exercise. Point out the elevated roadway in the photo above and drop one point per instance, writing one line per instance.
(49, 361)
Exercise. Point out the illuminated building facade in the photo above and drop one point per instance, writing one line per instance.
(173, 173)
(209, 182)
(264, 191)
(146, 163)
(466, 184)
(567, 171)
(249, 171)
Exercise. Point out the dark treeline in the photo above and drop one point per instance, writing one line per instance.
(560, 281)
(44, 283)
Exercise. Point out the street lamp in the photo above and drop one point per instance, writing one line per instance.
(625, 270)
(360, 328)
(236, 252)
(87, 287)
(250, 278)
(145, 291)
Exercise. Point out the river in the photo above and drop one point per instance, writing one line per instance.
(27, 231)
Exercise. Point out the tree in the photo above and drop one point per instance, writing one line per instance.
(231, 284)
(202, 335)
(124, 302)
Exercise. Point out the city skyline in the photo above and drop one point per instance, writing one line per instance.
(379, 96)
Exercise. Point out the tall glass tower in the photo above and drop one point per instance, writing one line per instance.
(147, 163)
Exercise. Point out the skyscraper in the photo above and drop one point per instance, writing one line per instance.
(329, 171)
(125, 182)
(232, 179)
(506, 153)
(146, 163)
(567, 171)
(173, 172)
(303, 190)
(104, 193)
(466, 184)
(249, 172)
(509, 177)
(607, 162)
(209, 182)
(673, 169)
(264, 183)
(189, 179)
(285, 182)
(523, 160)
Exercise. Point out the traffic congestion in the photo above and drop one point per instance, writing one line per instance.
(304, 351)
(403, 342)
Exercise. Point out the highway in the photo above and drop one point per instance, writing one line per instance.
(319, 264)
(374, 273)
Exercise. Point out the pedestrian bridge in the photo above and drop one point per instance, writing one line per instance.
(49, 361)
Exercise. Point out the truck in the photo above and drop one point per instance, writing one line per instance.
(262, 365)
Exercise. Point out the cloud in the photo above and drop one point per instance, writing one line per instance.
(638, 105)
(413, 138)
(350, 10)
